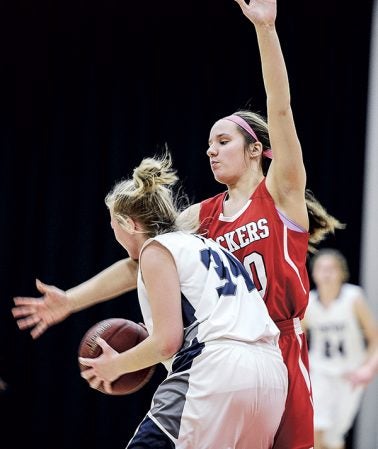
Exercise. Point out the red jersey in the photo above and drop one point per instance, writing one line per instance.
(272, 250)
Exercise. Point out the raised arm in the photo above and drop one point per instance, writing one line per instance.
(286, 179)
(38, 314)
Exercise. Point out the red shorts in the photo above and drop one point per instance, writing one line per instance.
(296, 430)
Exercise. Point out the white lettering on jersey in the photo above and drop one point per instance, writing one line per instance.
(245, 235)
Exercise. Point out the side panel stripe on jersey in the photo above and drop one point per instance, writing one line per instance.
(188, 312)
(302, 366)
(289, 260)
(150, 434)
(172, 391)
(169, 401)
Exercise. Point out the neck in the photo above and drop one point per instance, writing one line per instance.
(141, 240)
(243, 189)
(328, 293)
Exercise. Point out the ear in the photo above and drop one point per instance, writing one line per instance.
(255, 149)
(130, 225)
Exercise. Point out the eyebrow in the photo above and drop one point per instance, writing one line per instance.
(217, 136)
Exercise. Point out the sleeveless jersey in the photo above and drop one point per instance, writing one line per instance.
(336, 340)
(273, 252)
(219, 300)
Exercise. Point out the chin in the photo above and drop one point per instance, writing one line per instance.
(217, 176)
(220, 180)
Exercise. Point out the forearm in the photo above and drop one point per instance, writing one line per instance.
(371, 361)
(287, 175)
(115, 280)
(274, 70)
(147, 353)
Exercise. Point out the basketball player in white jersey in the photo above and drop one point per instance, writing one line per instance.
(339, 321)
(227, 383)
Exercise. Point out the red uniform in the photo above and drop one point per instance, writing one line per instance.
(274, 251)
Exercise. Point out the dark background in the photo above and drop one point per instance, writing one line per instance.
(87, 90)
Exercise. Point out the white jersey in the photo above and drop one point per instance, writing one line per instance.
(227, 385)
(336, 340)
(219, 300)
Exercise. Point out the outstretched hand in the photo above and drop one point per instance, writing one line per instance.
(41, 313)
(259, 12)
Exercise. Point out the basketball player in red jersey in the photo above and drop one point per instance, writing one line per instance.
(263, 219)
(266, 218)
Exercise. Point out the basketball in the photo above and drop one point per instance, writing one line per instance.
(120, 334)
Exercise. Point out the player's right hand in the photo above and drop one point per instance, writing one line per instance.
(361, 376)
(41, 313)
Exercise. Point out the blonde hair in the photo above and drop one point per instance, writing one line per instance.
(321, 222)
(148, 197)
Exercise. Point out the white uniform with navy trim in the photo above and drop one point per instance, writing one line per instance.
(226, 387)
(336, 347)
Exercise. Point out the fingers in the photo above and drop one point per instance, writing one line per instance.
(356, 382)
(241, 3)
(86, 362)
(21, 300)
(95, 383)
(43, 288)
(87, 374)
(27, 316)
(38, 330)
(143, 325)
(26, 323)
(90, 376)
(21, 311)
(102, 343)
(108, 387)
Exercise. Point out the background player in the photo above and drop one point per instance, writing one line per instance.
(339, 322)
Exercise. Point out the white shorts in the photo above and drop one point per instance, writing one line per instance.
(222, 395)
(336, 404)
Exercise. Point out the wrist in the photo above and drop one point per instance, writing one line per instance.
(267, 27)
(72, 302)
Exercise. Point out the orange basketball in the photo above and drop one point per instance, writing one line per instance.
(120, 334)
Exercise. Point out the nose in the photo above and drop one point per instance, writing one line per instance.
(211, 151)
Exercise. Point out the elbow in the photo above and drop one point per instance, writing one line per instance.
(167, 352)
(169, 346)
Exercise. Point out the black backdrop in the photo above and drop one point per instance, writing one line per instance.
(87, 90)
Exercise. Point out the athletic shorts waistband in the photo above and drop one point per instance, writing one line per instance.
(290, 326)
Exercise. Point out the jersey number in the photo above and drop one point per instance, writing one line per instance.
(224, 272)
(333, 348)
(255, 266)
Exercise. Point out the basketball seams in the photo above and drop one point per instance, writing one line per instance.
(121, 339)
